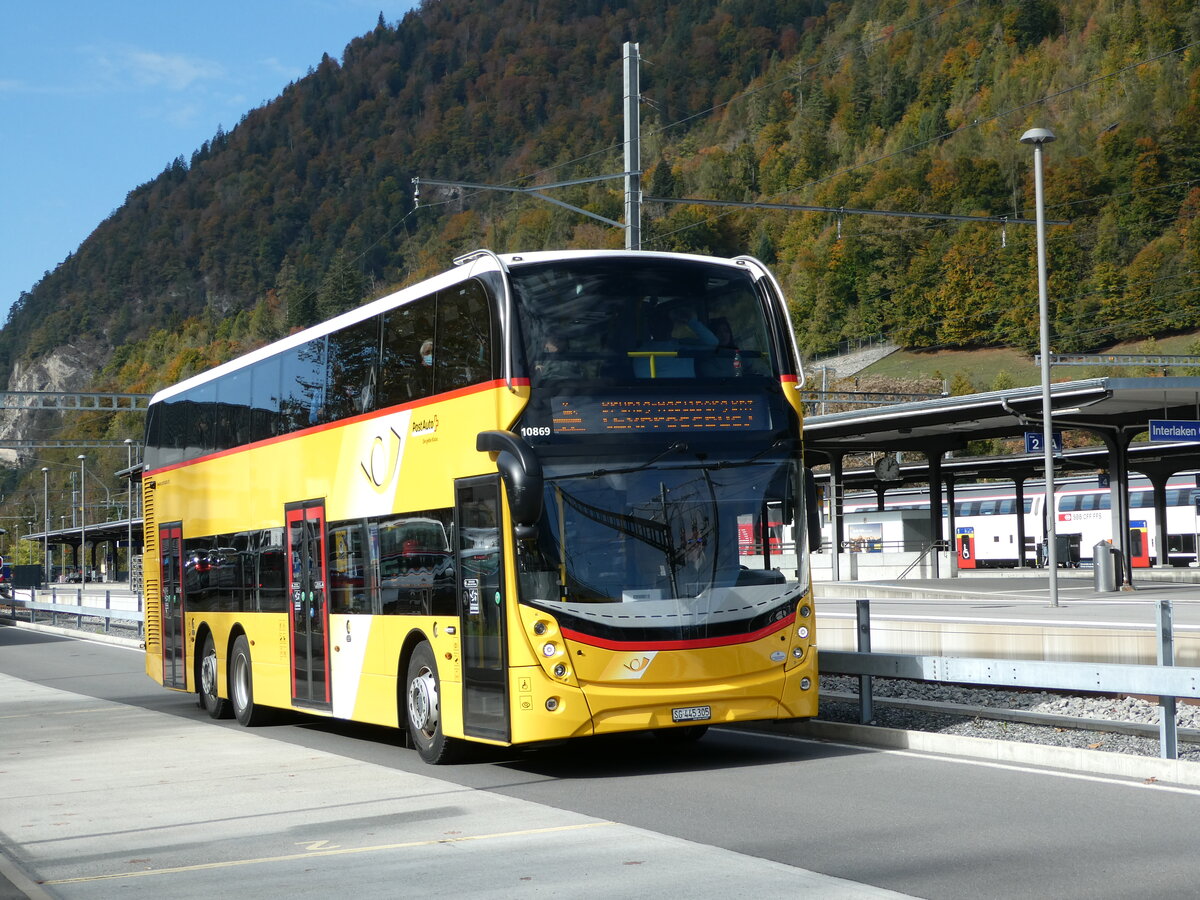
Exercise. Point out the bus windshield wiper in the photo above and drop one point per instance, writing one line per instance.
(676, 447)
(748, 461)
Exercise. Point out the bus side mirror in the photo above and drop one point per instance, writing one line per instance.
(812, 510)
(522, 473)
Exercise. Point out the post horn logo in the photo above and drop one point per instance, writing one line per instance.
(382, 461)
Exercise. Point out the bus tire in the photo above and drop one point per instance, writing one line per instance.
(424, 709)
(217, 706)
(241, 686)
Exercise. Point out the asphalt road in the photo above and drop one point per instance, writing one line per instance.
(114, 786)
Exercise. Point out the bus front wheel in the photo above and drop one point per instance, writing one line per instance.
(241, 685)
(425, 708)
(217, 707)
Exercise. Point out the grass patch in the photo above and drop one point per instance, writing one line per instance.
(981, 368)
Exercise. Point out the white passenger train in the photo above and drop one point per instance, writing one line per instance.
(985, 522)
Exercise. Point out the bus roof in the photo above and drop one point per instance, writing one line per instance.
(466, 267)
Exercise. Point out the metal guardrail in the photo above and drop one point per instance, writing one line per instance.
(1165, 680)
(77, 610)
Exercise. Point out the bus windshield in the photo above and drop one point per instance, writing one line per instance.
(623, 320)
(666, 552)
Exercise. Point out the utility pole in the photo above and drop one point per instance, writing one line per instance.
(633, 148)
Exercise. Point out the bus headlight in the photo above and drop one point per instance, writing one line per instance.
(805, 683)
(802, 631)
(560, 670)
(549, 648)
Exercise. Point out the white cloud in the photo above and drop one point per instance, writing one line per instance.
(175, 72)
(135, 67)
(288, 72)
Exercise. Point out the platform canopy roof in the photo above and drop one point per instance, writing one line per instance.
(1114, 405)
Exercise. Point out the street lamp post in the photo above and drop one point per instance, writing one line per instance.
(1039, 137)
(46, 528)
(82, 523)
(129, 508)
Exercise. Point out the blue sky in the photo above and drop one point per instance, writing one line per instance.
(99, 97)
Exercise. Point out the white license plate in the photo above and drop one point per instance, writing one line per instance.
(691, 714)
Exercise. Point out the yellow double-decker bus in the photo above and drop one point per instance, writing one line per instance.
(536, 497)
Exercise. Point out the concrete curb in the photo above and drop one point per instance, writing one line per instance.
(14, 878)
(1073, 759)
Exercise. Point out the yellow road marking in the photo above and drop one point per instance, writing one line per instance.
(319, 853)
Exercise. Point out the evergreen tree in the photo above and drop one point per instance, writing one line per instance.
(299, 303)
(341, 288)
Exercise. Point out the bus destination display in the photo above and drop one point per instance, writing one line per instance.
(597, 415)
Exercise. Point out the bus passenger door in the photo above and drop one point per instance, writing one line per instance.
(480, 575)
(309, 603)
(170, 549)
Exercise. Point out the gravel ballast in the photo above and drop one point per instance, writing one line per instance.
(1116, 710)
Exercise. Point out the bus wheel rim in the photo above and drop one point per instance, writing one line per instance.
(423, 702)
(208, 673)
(241, 690)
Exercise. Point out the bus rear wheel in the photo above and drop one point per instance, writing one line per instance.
(217, 706)
(423, 702)
(241, 686)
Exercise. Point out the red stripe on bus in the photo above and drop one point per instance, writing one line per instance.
(694, 644)
(316, 429)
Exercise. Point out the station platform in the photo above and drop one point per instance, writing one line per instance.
(1009, 615)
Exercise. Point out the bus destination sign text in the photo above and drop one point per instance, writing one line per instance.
(586, 415)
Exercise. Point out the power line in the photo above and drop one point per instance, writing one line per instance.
(973, 124)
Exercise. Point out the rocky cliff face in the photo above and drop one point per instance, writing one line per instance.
(69, 367)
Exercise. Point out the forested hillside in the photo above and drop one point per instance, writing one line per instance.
(306, 206)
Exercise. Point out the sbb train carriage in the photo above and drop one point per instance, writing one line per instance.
(985, 520)
(526, 500)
